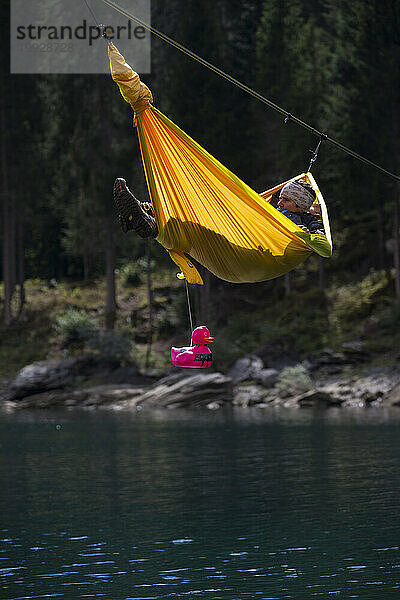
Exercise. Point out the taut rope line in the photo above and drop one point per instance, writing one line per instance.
(251, 92)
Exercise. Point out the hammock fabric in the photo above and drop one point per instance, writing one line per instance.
(203, 209)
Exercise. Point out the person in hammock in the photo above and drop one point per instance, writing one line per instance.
(296, 203)
(295, 200)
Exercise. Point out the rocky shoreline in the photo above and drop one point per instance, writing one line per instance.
(329, 379)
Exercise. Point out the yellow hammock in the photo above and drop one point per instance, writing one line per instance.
(204, 210)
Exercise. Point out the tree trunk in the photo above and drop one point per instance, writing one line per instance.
(396, 219)
(208, 315)
(86, 269)
(111, 303)
(150, 303)
(381, 239)
(321, 274)
(8, 276)
(12, 240)
(396, 254)
(203, 301)
(21, 262)
(288, 287)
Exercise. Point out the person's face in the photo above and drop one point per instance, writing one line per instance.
(287, 204)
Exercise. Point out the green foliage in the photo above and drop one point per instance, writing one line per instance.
(110, 345)
(78, 332)
(75, 328)
(131, 274)
(296, 322)
(134, 273)
(172, 318)
(389, 319)
(353, 302)
(294, 380)
(382, 331)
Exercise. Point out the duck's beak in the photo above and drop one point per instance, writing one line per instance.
(209, 340)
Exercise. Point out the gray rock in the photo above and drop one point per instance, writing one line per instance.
(267, 377)
(360, 391)
(279, 354)
(354, 352)
(248, 395)
(211, 390)
(330, 362)
(316, 399)
(4, 393)
(57, 374)
(41, 377)
(97, 396)
(213, 406)
(392, 397)
(178, 391)
(246, 368)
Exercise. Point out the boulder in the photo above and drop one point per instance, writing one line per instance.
(392, 397)
(246, 368)
(92, 397)
(209, 390)
(57, 374)
(279, 354)
(316, 399)
(267, 377)
(330, 362)
(248, 395)
(182, 391)
(360, 391)
(41, 377)
(4, 386)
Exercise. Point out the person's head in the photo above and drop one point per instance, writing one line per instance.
(297, 196)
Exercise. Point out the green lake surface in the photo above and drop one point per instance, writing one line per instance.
(251, 503)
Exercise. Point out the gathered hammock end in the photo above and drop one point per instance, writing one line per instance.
(205, 211)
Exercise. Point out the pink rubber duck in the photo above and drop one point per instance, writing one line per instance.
(196, 356)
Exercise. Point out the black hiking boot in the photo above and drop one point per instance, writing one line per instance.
(131, 213)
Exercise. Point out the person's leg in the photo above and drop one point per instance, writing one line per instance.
(131, 213)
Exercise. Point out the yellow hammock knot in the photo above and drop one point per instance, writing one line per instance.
(136, 93)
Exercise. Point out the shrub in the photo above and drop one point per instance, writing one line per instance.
(110, 345)
(355, 301)
(172, 317)
(294, 380)
(75, 328)
(133, 273)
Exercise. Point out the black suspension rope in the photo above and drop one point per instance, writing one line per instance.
(288, 116)
(99, 26)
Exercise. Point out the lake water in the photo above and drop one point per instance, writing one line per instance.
(256, 504)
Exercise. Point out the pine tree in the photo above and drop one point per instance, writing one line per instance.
(362, 109)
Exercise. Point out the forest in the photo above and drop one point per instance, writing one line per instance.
(65, 264)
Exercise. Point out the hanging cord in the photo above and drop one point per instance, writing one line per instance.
(100, 27)
(314, 153)
(189, 310)
(288, 116)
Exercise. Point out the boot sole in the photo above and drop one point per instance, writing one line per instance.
(125, 204)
